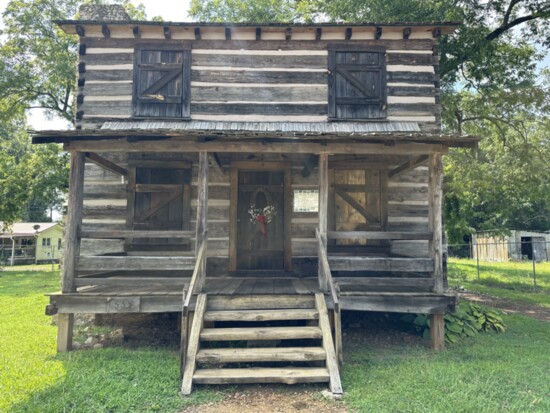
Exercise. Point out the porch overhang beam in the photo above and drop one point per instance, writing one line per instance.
(232, 146)
(106, 164)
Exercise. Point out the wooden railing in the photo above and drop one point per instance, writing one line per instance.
(326, 281)
(198, 277)
(379, 235)
(128, 233)
(195, 287)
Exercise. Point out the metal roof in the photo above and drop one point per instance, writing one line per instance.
(24, 229)
(276, 127)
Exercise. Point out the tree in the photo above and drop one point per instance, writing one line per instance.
(37, 70)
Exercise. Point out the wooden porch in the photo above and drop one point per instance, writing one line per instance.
(351, 270)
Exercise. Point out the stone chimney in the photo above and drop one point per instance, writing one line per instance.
(103, 12)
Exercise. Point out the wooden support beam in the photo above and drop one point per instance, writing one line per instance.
(435, 211)
(437, 331)
(65, 324)
(228, 33)
(80, 30)
(378, 33)
(105, 30)
(72, 246)
(318, 33)
(202, 206)
(167, 32)
(323, 215)
(407, 32)
(197, 33)
(349, 33)
(311, 162)
(355, 205)
(74, 219)
(106, 164)
(136, 31)
(288, 34)
(216, 162)
(407, 166)
(177, 145)
(258, 33)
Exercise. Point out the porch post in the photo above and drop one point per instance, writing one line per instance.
(202, 207)
(12, 259)
(323, 213)
(72, 246)
(435, 195)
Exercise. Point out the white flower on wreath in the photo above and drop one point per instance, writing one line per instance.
(269, 211)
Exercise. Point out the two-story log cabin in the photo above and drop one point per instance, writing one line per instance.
(258, 179)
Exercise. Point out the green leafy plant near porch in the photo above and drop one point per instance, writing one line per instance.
(468, 320)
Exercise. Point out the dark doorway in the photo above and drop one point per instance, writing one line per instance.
(261, 214)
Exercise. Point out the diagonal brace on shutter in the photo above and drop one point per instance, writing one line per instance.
(163, 81)
(355, 205)
(356, 83)
(161, 205)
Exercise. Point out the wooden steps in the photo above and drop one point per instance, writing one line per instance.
(246, 355)
(228, 330)
(260, 333)
(287, 375)
(261, 315)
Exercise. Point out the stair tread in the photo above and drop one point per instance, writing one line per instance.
(260, 333)
(228, 355)
(288, 375)
(261, 315)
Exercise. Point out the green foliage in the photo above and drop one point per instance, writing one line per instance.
(33, 378)
(33, 179)
(467, 321)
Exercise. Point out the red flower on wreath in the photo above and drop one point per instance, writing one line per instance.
(263, 216)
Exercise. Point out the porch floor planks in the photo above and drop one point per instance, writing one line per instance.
(246, 287)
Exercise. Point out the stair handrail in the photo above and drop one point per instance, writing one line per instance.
(197, 279)
(324, 270)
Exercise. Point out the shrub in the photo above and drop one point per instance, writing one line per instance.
(468, 320)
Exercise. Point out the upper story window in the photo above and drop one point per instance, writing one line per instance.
(162, 81)
(357, 83)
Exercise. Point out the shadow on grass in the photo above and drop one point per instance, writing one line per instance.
(116, 380)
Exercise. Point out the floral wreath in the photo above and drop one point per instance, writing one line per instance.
(264, 215)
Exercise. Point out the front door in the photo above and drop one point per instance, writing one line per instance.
(260, 217)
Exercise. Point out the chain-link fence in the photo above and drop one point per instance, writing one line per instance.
(502, 263)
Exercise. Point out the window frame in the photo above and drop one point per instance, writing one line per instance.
(133, 165)
(164, 45)
(331, 63)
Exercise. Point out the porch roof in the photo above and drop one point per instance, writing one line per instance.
(356, 132)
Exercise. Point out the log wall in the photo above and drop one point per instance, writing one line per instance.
(259, 80)
(105, 206)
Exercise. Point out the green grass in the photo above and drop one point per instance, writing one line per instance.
(33, 378)
(488, 373)
(510, 280)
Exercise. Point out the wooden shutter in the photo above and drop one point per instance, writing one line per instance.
(357, 84)
(162, 83)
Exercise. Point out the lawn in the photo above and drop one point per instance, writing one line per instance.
(510, 280)
(490, 373)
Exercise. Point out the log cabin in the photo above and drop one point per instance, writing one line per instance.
(258, 179)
